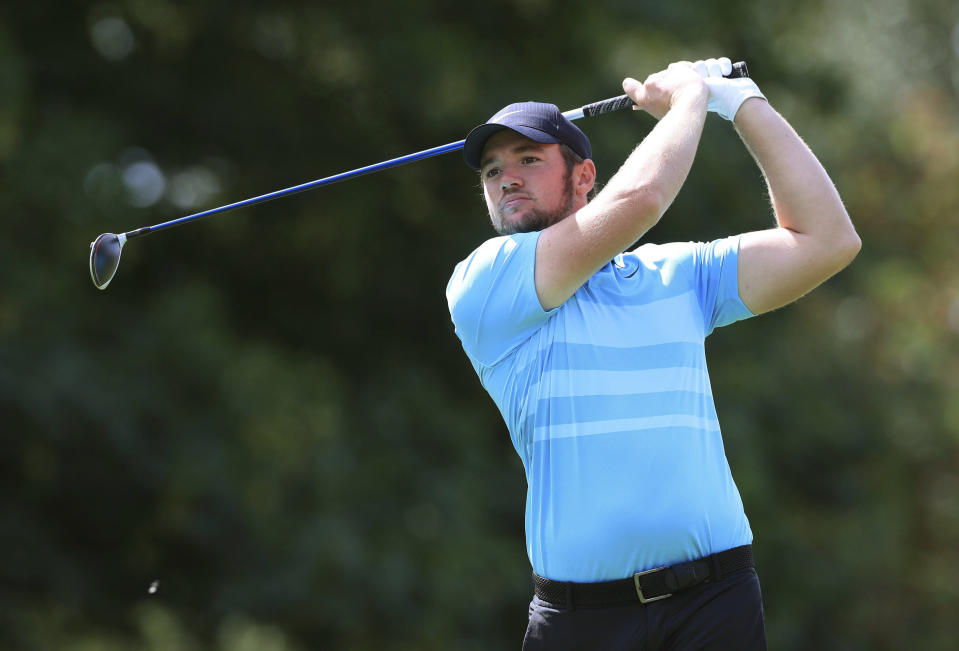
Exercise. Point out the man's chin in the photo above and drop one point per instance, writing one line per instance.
(511, 228)
(522, 222)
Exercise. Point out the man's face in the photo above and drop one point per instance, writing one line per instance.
(526, 184)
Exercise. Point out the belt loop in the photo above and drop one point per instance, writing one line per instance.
(717, 568)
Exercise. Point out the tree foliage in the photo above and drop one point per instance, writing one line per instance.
(267, 413)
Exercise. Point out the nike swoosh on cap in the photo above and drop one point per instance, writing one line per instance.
(497, 118)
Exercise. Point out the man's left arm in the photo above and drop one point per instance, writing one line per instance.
(814, 237)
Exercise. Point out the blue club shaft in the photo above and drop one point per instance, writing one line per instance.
(343, 176)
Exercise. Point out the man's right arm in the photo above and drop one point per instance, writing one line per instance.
(572, 250)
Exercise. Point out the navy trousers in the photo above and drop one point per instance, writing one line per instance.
(727, 614)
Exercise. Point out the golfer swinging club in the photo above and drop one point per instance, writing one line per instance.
(634, 527)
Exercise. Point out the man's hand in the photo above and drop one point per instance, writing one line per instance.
(725, 95)
(663, 90)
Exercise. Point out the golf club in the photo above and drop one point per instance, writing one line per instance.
(106, 249)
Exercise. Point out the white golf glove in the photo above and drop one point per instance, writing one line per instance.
(725, 95)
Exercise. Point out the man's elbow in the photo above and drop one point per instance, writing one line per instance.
(842, 248)
(846, 247)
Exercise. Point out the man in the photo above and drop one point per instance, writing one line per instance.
(595, 357)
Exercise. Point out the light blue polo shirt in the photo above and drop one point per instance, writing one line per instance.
(608, 402)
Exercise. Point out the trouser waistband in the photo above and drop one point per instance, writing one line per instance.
(651, 585)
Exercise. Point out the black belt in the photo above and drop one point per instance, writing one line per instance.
(651, 585)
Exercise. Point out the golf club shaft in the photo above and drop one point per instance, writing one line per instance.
(303, 187)
(589, 110)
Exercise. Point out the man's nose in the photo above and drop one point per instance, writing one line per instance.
(509, 178)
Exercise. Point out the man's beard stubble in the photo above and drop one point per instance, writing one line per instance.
(537, 220)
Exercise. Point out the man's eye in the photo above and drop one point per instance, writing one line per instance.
(491, 172)
(527, 160)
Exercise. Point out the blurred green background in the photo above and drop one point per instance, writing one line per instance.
(268, 412)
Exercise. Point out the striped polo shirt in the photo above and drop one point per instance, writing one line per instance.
(608, 402)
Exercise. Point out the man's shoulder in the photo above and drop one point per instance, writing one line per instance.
(668, 251)
(686, 253)
(497, 261)
(489, 253)
(665, 256)
(495, 246)
(489, 248)
(683, 262)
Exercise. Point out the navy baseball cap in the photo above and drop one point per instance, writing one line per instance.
(543, 123)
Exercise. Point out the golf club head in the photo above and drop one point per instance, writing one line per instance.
(104, 258)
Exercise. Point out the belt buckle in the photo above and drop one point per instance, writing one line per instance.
(639, 588)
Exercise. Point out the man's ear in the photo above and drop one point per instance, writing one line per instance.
(584, 177)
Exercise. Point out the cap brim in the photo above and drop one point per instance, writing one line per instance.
(476, 140)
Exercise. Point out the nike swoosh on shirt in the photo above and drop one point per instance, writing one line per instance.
(618, 262)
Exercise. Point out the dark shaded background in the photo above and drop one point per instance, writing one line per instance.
(268, 413)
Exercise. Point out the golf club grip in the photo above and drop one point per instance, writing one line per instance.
(621, 102)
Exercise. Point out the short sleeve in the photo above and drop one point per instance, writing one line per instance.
(715, 273)
(492, 297)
